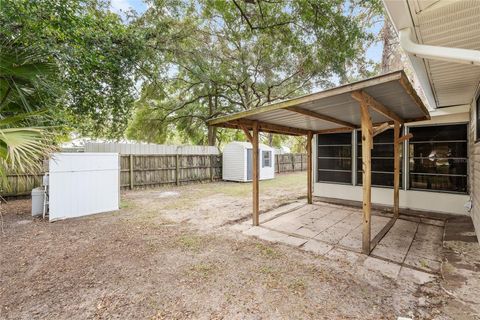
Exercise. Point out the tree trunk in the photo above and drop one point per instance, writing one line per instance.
(212, 135)
(212, 131)
(391, 57)
(270, 139)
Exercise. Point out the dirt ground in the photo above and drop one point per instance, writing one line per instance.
(171, 253)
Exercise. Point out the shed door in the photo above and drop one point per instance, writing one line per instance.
(249, 164)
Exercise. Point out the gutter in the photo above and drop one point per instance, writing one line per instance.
(457, 55)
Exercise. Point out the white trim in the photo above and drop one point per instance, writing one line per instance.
(409, 199)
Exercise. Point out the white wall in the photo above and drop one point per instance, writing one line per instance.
(234, 162)
(82, 184)
(409, 199)
(267, 172)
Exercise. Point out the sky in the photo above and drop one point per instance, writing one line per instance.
(120, 6)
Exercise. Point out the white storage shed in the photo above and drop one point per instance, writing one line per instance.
(237, 162)
(83, 183)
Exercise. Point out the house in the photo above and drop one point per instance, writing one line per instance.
(238, 158)
(441, 39)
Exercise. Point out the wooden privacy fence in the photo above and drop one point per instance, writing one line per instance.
(140, 171)
(20, 184)
(289, 162)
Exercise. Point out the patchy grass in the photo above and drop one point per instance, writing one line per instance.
(267, 270)
(125, 204)
(203, 270)
(298, 286)
(244, 189)
(268, 251)
(192, 242)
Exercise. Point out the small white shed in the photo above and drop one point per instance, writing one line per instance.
(237, 162)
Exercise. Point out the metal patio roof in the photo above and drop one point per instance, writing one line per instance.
(390, 96)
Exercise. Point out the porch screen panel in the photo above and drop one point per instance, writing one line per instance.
(382, 159)
(334, 158)
(438, 158)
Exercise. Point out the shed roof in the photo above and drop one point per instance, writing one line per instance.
(391, 97)
(248, 145)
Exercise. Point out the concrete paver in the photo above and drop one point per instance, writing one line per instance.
(335, 231)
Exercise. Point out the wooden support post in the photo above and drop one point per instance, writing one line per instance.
(396, 169)
(367, 145)
(177, 167)
(309, 167)
(255, 187)
(131, 172)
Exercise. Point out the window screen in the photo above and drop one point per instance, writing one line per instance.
(382, 159)
(438, 158)
(334, 161)
(266, 159)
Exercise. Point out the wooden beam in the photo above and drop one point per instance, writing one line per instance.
(321, 117)
(413, 94)
(309, 168)
(362, 96)
(382, 233)
(367, 144)
(269, 127)
(405, 138)
(396, 170)
(255, 167)
(334, 130)
(247, 133)
(381, 128)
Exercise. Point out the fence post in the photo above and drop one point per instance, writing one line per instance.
(131, 172)
(176, 170)
(301, 162)
(211, 168)
(293, 161)
(276, 164)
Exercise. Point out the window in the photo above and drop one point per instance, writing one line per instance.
(438, 158)
(382, 159)
(266, 159)
(478, 119)
(334, 158)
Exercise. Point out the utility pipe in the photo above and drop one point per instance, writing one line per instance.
(465, 56)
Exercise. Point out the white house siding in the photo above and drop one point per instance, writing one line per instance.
(474, 171)
(410, 199)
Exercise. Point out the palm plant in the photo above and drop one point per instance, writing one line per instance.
(26, 82)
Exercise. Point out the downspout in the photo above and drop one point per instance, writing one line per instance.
(465, 56)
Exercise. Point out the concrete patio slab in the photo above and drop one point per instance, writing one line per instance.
(411, 248)
(317, 247)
